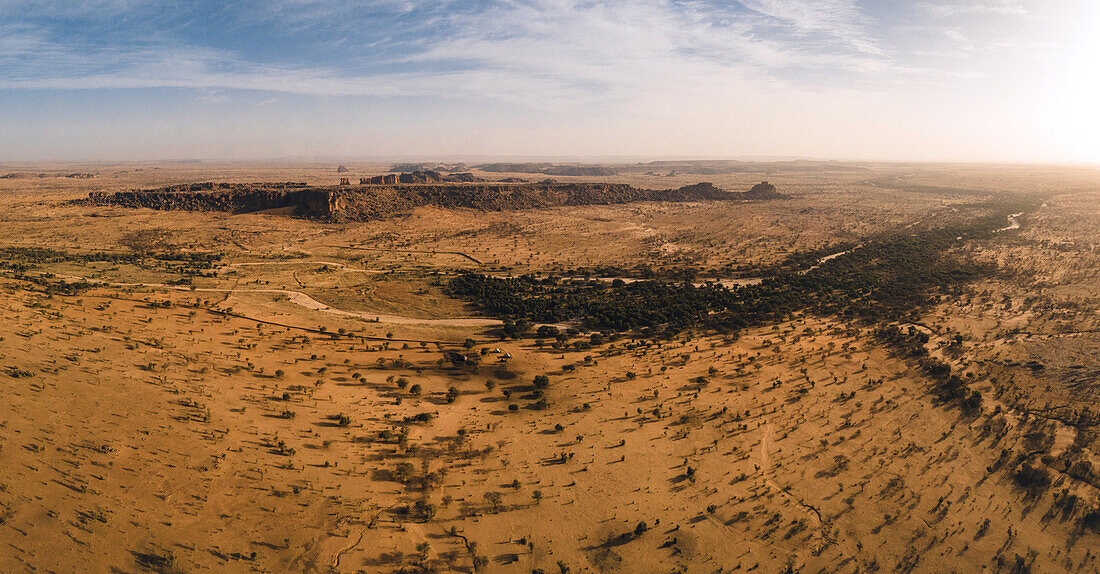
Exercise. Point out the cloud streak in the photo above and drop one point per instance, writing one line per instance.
(793, 76)
(534, 52)
(1003, 7)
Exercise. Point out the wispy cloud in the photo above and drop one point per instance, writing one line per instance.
(541, 53)
(702, 74)
(948, 9)
(67, 8)
(841, 20)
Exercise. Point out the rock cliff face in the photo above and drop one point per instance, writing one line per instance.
(419, 177)
(367, 202)
(763, 190)
(231, 197)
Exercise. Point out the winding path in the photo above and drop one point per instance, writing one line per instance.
(342, 266)
(303, 300)
(346, 549)
(419, 251)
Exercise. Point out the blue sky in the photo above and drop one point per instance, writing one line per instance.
(986, 80)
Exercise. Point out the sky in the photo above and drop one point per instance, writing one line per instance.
(932, 80)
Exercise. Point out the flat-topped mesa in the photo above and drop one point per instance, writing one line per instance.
(207, 196)
(388, 179)
(372, 201)
(378, 202)
(421, 177)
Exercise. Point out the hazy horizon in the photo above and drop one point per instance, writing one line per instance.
(986, 81)
(473, 161)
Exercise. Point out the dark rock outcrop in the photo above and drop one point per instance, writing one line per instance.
(763, 190)
(466, 177)
(380, 201)
(549, 169)
(207, 196)
(447, 167)
(420, 177)
(388, 179)
(231, 197)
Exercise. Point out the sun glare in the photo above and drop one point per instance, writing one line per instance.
(1073, 97)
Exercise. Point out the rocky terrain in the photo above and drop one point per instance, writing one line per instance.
(400, 194)
(229, 197)
(886, 371)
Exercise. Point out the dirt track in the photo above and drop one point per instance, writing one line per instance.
(303, 300)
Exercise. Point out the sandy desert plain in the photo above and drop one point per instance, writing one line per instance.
(202, 391)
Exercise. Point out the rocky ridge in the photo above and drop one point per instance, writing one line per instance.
(369, 201)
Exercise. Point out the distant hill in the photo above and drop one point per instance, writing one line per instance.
(717, 167)
(446, 167)
(549, 169)
(372, 202)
